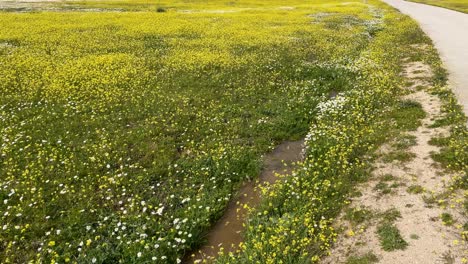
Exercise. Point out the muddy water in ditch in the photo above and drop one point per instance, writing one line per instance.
(227, 232)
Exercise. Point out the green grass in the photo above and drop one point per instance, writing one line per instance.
(390, 237)
(447, 219)
(391, 215)
(453, 155)
(441, 122)
(415, 189)
(458, 5)
(126, 131)
(383, 188)
(386, 184)
(409, 115)
(388, 177)
(125, 134)
(440, 141)
(388, 234)
(398, 155)
(357, 215)
(404, 142)
(364, 259)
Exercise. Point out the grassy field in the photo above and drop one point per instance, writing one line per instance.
(458, 5)
(124, 134)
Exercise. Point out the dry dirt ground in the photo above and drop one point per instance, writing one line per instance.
(27, 4)
(405, 190)
(47, 5)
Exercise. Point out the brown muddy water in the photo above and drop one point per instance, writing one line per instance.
(227, 232)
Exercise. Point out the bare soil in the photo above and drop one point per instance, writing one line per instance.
(429, 239)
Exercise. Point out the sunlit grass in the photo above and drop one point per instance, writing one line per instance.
(458, 5)
(124, 134)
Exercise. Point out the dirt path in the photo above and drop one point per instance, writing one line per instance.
(28, 5)
(49, 6)
(397, 218)
(449, 31)
(226, 234)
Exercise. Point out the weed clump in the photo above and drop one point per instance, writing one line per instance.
(408, 115)
(161, 10)
(390, 237)
(368, 258)
(415, 189)
(447, 219)
(357, 215)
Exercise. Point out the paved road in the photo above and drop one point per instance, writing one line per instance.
(449, 31)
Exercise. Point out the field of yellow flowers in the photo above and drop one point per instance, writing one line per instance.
(126, 126)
